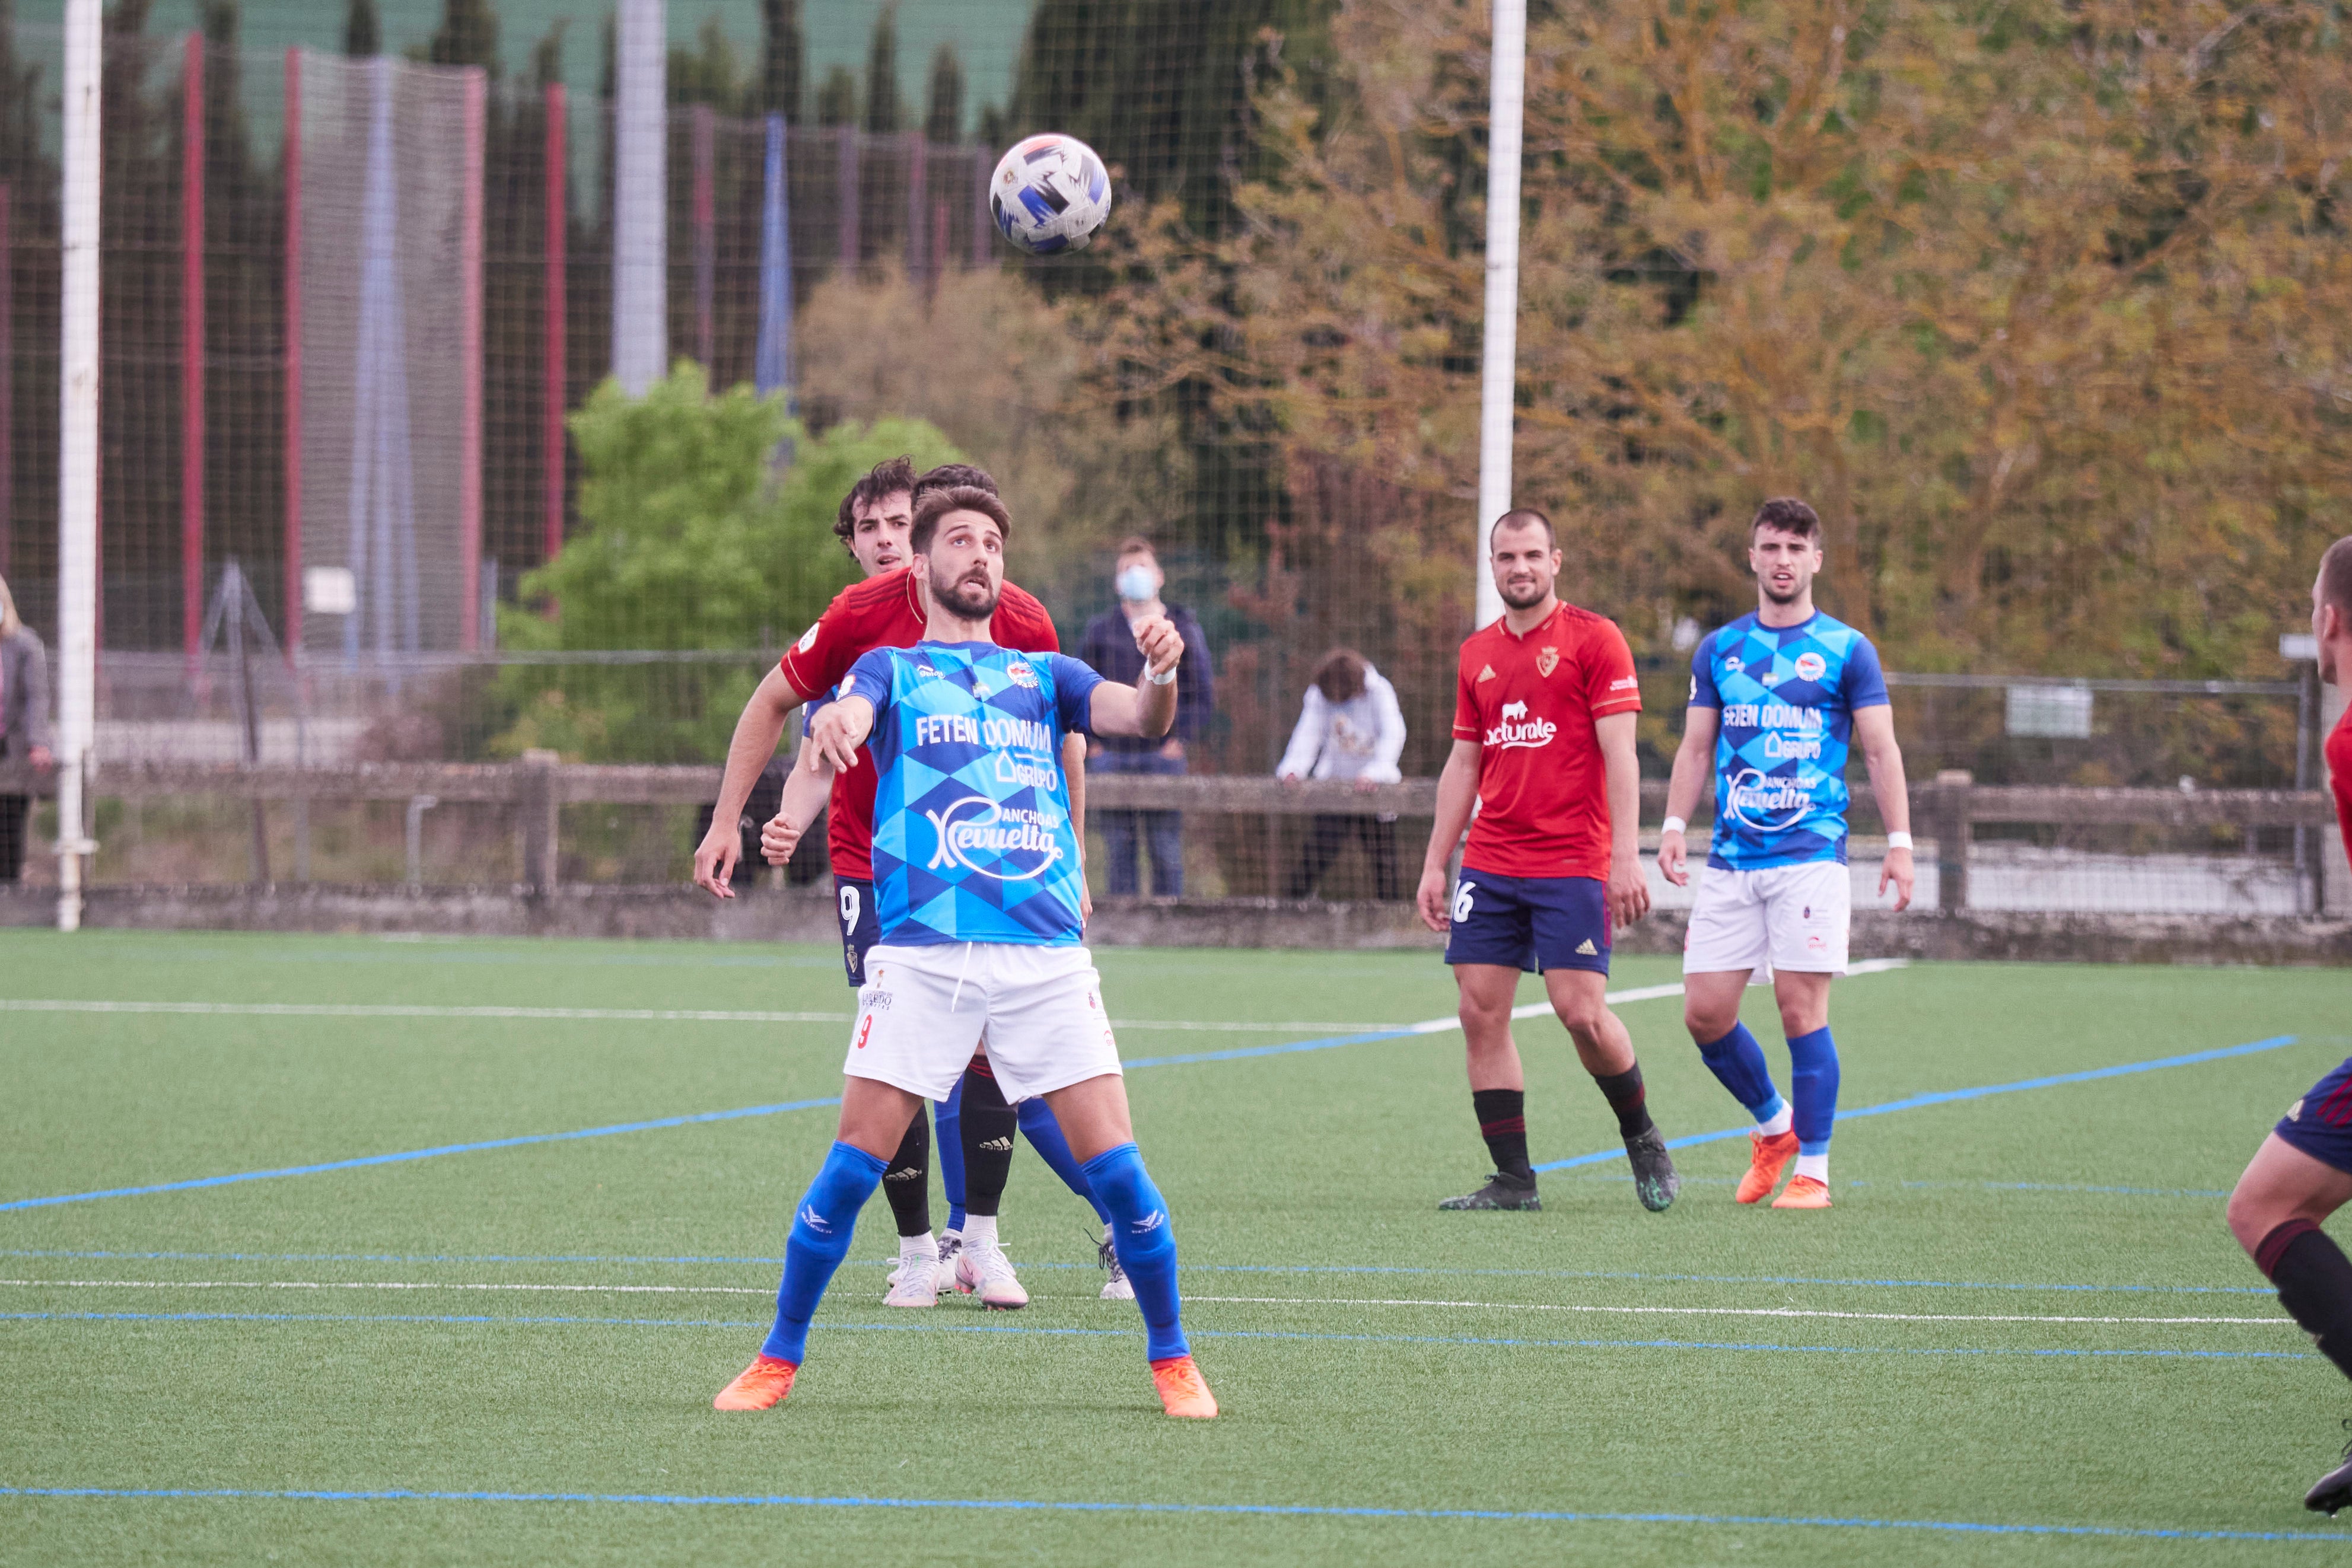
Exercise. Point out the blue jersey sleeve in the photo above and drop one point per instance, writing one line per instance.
(1074, 690)
(1865, 682)
(1703, 693)
(871, 678)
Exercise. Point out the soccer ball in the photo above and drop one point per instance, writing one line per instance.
(1049, 194)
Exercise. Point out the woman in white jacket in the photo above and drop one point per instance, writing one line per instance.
(1348, 727)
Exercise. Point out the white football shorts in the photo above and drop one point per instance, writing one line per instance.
(1780, 917)
(923, 1010)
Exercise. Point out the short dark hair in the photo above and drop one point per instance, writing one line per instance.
(1135, 544)
(1340, 676)
(887, 478)
(2335, 577)
(948, 475)
(1521, 517)
(1789, 516)
(937, 503)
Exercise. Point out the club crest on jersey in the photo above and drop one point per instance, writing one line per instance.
(1003, 843)
(1021, 674)
(1516, 728)
(1547, 662)
(1811, 666)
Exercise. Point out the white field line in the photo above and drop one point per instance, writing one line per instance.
(1231, 1300)
(706, 1015)
(1720, 1311)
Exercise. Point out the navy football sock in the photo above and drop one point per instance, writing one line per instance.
(1045, 1135)
(948, 1115)
(1146, 1244)
(1814, 1086)
(1503, 1122)
(2314, 1285)
(822, 1228)
(908, 1182)
(1628, 1098)
(1738, 1063)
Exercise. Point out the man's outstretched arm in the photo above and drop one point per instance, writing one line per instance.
(756, 734)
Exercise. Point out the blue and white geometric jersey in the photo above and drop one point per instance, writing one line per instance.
(972, 814)
(1787, 697)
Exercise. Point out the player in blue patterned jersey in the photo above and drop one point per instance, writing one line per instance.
(1778, 697)
(977, 881)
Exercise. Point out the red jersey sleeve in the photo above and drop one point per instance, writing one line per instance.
(1609, 684)
(1022, 624)
(816, 663)
(1466, 707)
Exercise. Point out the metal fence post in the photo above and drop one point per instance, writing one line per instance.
(536, 800)
(1950, 815)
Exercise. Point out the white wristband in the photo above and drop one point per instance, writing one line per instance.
(1673, 825)
(1167, 680)
(1898, 840)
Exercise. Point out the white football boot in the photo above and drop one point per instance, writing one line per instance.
(950, 1247)
(1118, 1287)
(915, 1282)
(983, 1270)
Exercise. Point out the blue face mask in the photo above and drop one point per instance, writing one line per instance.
(1135, 585)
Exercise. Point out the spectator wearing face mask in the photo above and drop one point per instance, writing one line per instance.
(1349, 726)
(1108, 645)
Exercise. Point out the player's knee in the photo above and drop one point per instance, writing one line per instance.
(1708, 1025)
(1583, 1019)
(2252, 1215)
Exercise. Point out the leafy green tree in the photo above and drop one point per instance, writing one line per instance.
(709, 73)
(467, 36)
(687, 540)
(943, 107)
(886, 112)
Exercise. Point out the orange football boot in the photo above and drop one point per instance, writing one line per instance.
(1767, 1157)
(759, 1385)
(1805, 1192)
(1182, 1390)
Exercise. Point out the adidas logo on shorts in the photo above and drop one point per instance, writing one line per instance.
(1586, 950)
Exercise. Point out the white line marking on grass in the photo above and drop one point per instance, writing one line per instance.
(1225, 1301)
(1718, 1312)
(405, 1011)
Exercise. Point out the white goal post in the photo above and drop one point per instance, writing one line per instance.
(77, 456)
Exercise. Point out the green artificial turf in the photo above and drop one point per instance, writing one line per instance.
(1303, 1186)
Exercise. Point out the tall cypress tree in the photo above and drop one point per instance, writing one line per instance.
(836, 100)
(783, 59)
(885, 112)
(362, 30)
(943, 111)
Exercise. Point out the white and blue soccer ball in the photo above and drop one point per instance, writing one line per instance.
(1049, 194)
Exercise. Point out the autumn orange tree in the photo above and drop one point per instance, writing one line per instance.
(2044, 305)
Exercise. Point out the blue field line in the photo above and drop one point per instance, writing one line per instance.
(1188, 1268)
(365, 1160)
(1950, 1096)
(1247, 1510)
(481, 1319)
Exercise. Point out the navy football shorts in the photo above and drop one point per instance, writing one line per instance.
(2320, 1123)
(853, 902)
(1530, 923)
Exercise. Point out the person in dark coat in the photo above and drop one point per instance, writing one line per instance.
(23, 725)
(1108, 645)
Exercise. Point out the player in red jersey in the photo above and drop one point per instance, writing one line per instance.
(1543, 753)
(887, 610)
(2303, 1172)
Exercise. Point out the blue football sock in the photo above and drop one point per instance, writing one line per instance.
(1813, 1085)
(1045, 1135)
(1146, 1243)
(822, 1228)
(1737, 1062)
(947, 1143)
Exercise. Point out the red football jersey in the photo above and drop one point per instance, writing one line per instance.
(885, 612)
(1530, 702)
(2339, 774)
